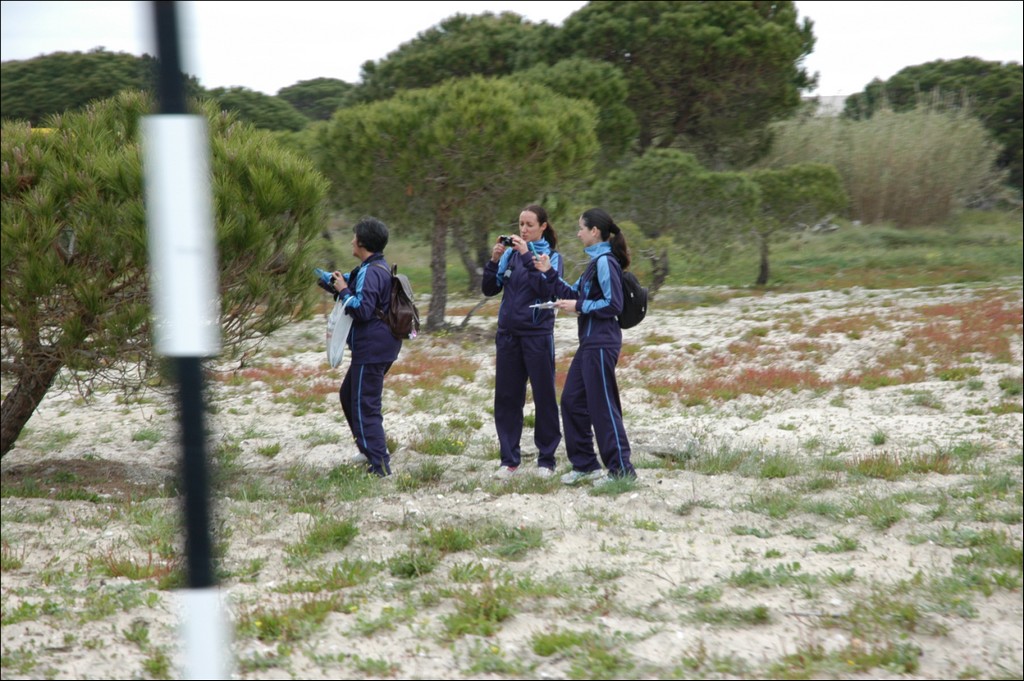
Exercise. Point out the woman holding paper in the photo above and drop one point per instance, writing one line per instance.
(590, 397)
(525, 341)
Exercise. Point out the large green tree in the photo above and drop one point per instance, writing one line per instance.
(992, 91)
(456, 159)
(462, 45)
(791, 196)
(33, 89)
(677, 204)
(263, 111)
(706, 77)
(601, 84)
(75, 292)
(319, 98)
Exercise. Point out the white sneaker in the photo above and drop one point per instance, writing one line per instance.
(544, 472)
(572, 477)
(505, 472)
(357, 459)
(609, 479)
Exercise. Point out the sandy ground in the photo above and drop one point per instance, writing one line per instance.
(642, 572)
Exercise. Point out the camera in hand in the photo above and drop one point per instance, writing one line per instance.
(325, 280)
(505, 240)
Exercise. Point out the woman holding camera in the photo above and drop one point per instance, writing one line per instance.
(525, 341)
(590, 397)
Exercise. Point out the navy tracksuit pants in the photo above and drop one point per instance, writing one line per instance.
(590, 399)
(360, 395)
(522, 358)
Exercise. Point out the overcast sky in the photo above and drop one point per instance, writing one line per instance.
(266, 46)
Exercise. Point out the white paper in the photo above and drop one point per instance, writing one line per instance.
(550, 305)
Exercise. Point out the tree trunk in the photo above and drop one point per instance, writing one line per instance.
(762, 275)
(659, 271)
(468, 246)
(21, 402)
(438, 276)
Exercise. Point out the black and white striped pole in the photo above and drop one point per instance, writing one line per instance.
(186, 314)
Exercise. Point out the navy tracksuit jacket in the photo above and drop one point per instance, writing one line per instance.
(525, 345)
(590, 398)
(373, 350)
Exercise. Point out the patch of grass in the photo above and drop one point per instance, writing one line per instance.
(464, 573)
(422, 475)
(57, 439)
(10, 558)
(783, 574)
(1012, 385)
(776, 466)
(558, 641)
(288, 624)
(157, 664)
(603, 657)
(513, 543)
(880, 512)
(745, 531)
(316, 438)
(893, 466)
(151, 435)
(505, 541)
(716, 462)
(701, 662)
(813, 660)
(757, 615)
(386, 620)
(414, 563)
(326, 535)
(376, 666)
(957, 373)
(878, 437)
(343, 575)
(774, 504)
(113, 565)
(440, 441)
(1005, 407)
(602, 574)
(840, 545)
(479, 612)
(269, 451)
(346, 483)
(451, 538)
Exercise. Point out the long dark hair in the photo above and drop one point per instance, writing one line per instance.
(610, 232)
(542, 218)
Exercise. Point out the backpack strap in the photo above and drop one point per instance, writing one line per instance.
(392, 272)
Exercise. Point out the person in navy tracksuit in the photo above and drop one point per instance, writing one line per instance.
(366, 292)
(590, 397)
(525, 341)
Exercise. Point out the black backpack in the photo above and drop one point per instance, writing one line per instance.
(402, 318)
(634, 300)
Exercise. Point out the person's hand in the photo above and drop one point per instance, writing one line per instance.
(566, 305)
(542, 262)
(339, 281)
(520, 244)
(496, 252)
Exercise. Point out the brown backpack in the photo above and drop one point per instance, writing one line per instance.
(402, 317)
